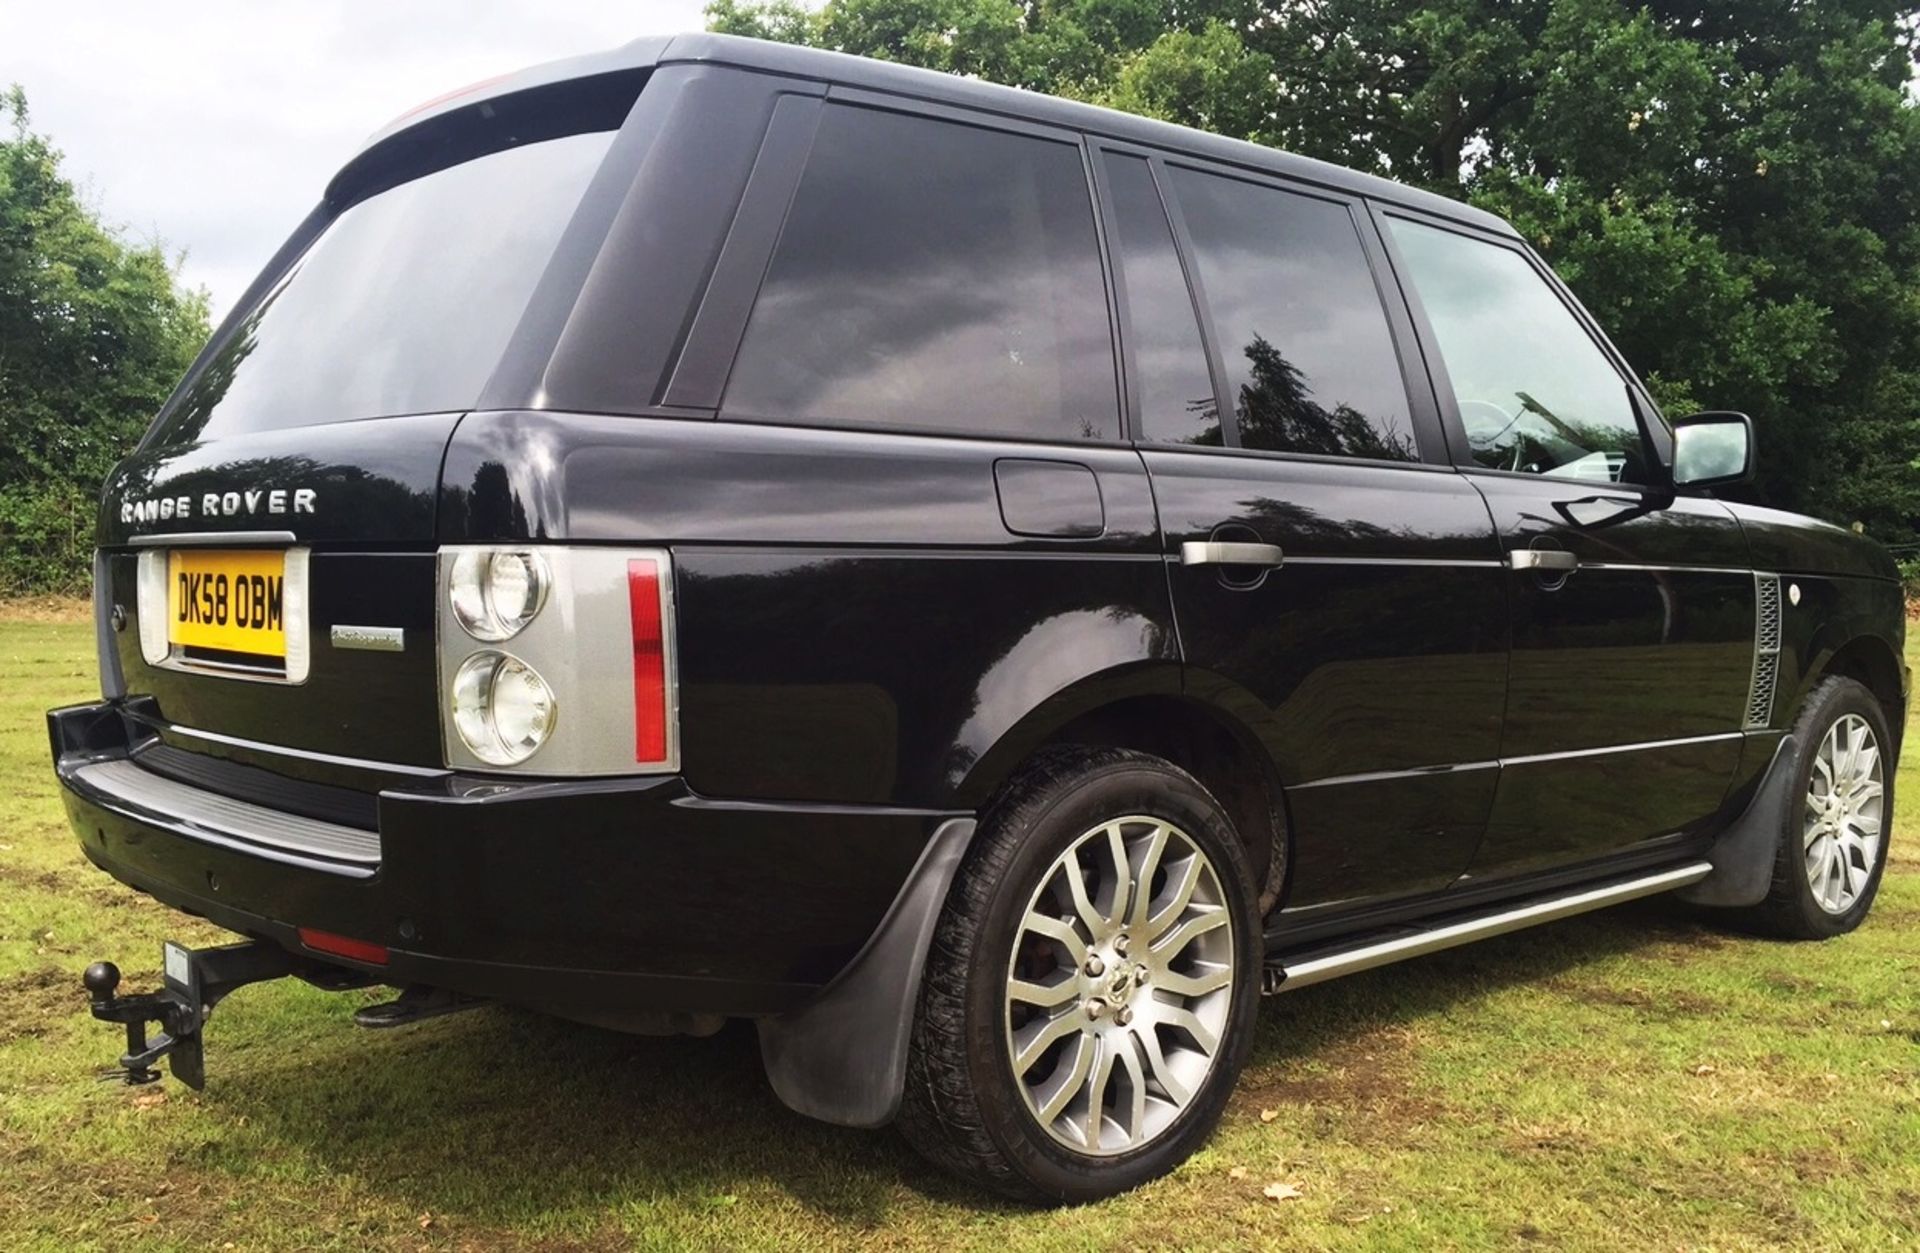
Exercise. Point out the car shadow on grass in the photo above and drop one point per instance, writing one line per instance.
(508, 1116)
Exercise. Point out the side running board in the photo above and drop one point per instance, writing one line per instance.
(1288, 971)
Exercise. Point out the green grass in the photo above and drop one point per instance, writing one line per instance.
(1628, 1079)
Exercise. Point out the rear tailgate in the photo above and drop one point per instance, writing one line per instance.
(357, 500)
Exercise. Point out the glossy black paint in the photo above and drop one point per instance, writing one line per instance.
(1370, 662)
(483, 883)
(876, 628)
(1649, 641)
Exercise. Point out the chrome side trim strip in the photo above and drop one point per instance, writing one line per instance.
(331, 759)
(1469, 563)
(183, 539)
(1571, 753)
(1284, 977)
(1381, 776)
(1384, 776)
(119, 781)
(1663, 569)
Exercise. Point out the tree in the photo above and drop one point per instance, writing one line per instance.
(94, 332)
(1733, 187)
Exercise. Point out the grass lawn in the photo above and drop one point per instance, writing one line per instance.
(1627, 1079)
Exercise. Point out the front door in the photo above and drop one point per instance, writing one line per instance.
(1335, 583)
(1632, 610)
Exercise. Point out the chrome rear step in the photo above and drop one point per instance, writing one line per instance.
(1289, 971)
(124, 787)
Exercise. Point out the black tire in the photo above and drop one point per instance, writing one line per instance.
(963, 1107)
(1790, 909)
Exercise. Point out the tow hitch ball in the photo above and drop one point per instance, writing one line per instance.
(193, 982)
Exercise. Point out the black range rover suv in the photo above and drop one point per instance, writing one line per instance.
(984, 586)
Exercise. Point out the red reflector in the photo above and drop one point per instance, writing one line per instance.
(649, 661)
(342, 946)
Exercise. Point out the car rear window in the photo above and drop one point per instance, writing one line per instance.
(933, 275)
(403, 304)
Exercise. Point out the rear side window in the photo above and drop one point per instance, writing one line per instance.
(933, 275)
(1309, 358)
(1176, 399)
(403, 304)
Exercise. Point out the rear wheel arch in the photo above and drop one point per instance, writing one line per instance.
(1219, 750)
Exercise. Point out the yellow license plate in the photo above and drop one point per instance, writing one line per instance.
(230, 600)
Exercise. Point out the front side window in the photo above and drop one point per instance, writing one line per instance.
(1536, 394)
(1309, 357)
(933, 275)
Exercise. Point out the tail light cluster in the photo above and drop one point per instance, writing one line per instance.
(537, 645)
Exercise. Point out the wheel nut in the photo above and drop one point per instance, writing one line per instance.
(1125, 1015)
(1140, 976)
(1096, 967)
(1096, 1007)
(1120, 944)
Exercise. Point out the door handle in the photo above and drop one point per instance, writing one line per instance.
(1556, 560)
(1214, 552)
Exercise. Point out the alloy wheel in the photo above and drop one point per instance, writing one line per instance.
(1120, 985)
(1844, 825)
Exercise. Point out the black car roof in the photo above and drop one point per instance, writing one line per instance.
(936, 87)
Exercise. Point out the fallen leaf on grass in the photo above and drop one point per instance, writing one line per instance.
(426, 1220)
(147, 1100)
(1704, 1068)
(1268, 1115)
(1278, 1191)
(1238, 1172)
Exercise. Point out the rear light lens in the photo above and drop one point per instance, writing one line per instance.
(647, 607)
(495, 593)
(602, 647)
(344, 946)
(502, 708)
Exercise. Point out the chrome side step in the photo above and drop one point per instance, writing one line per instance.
(1306, 969)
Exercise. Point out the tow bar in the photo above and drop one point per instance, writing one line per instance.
(193, 982)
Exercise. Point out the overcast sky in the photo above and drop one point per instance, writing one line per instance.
(214, 124)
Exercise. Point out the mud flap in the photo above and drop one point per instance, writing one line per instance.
(842, 1057)
(1744, 855)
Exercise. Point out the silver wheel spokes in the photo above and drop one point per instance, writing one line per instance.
(1120, 985)
(1844, 822)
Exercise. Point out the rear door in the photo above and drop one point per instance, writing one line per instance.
(1633, 610)
(1334, 582)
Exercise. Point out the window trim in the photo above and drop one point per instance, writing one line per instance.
(1646, 415)
(756, 262)
(1098, 153)
(1422, 410)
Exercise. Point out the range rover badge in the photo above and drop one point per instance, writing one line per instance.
(372, 638)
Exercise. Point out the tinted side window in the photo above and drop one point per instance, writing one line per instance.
(937, 275)
(1536, 394)
(1309, 358)
(1169, 360)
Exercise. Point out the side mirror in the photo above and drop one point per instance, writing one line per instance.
(1713, 450)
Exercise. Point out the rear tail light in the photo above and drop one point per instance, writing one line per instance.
(584, 623)
(647, 607)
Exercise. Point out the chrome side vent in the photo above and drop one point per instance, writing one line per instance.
(1766, 651)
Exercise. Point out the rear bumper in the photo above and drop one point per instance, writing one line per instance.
(597, 899)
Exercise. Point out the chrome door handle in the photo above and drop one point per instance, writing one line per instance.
(1544, 559)
(1196, 552)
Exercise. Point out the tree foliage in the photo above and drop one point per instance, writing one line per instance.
(1733, 187)
(94, 332)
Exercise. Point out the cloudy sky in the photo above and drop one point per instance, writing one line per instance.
(214, 124)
